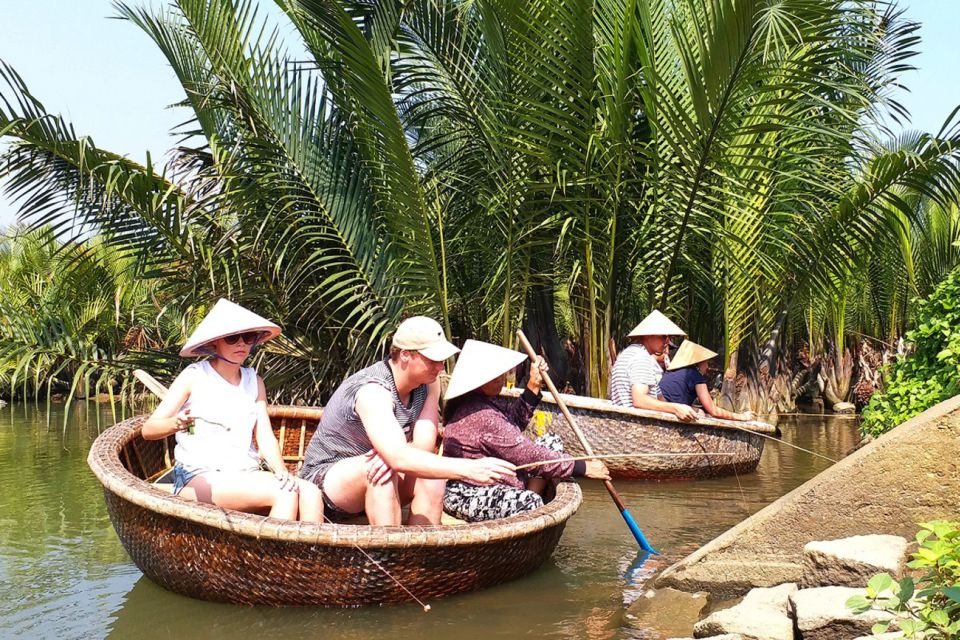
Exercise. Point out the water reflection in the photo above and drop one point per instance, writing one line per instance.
(68, 576)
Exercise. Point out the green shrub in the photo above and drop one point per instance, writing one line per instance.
(931, 373)
(930, 607)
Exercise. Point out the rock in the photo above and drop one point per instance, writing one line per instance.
(726, 636)
(822, 614)
(892, 635)
(763, 614)
(666, 612)
(850, 562)
(844, 407)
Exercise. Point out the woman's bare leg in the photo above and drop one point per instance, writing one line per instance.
(244, 491)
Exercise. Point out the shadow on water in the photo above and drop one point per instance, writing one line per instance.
(67, 575)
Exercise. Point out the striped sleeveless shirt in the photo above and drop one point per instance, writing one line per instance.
(634, 365)
(341, 434)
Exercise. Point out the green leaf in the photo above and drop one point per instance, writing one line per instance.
(939, 618)
(880, 583)
(906, 589)
(953, 593)
(859, 604)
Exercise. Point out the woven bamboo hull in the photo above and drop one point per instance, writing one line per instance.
(612, 430)
(215, 554)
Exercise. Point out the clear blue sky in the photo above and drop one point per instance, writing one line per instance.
(109, 79)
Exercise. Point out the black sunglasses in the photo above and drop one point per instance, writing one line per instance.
(249, 337)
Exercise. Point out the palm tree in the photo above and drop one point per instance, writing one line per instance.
(568, 164)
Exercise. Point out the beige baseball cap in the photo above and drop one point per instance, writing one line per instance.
(425, 335)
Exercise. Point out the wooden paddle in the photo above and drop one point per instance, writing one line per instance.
(150, 383)
(631, 523)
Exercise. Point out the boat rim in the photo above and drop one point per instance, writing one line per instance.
(606, 406)
(104, 461)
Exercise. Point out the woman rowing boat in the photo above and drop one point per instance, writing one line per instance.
(476, 427)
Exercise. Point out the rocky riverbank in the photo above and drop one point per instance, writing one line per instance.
(815, 609)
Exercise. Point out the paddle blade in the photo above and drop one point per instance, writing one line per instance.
(635, 530)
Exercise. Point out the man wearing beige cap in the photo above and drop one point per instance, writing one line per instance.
(635, 380)
(374, 449)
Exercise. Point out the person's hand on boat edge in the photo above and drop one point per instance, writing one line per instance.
(537, 369)
(597, 470)
(484, 471)
(685, 412)
(378, 471)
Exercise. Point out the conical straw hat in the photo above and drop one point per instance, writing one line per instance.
(656, 324)
(225, 319)
(690, 353)
(479, 363)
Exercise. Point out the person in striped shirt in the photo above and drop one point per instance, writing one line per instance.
(635, 380)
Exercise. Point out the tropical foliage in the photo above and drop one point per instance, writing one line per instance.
(70, 316)
(931, 373)
(926, 608)
(558, 166)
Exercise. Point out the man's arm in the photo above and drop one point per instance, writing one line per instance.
(375, 408)
(640, 395)
(426, 429)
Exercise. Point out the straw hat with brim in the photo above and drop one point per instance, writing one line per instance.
(425, 335)
(656, 324)
(690, 353)
(478, 364)
(225, 319)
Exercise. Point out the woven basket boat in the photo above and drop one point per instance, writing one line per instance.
(611, 429)
(211, 553)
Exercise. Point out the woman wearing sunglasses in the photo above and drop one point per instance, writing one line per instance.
(215, 408)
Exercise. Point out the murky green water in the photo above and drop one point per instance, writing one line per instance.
(65, 574)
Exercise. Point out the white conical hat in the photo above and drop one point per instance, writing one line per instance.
(656, 324)
(479, 363)
(225, 319)
(690, 353)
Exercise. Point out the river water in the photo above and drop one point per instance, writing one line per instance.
(65, 574)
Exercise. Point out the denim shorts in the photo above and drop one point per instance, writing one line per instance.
(182, 475)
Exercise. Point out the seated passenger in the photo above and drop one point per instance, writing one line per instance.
(215, 407)
(684, 381)
(375, 448)
(476, 427)
(635, 380)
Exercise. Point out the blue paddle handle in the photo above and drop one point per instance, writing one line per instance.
(635, 530)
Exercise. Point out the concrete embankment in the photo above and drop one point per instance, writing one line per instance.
(909, 475)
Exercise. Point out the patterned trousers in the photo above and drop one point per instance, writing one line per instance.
(477, 504)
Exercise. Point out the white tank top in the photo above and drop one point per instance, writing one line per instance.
(225, 416)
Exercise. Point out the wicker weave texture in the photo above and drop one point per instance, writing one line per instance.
(210, 563)
(216, 554)
(627, 431)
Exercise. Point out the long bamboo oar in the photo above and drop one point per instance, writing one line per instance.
(631, 523)
(614, 456)
(160, 391)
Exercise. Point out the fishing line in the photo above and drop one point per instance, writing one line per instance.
(426, 607)
(763, 435)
